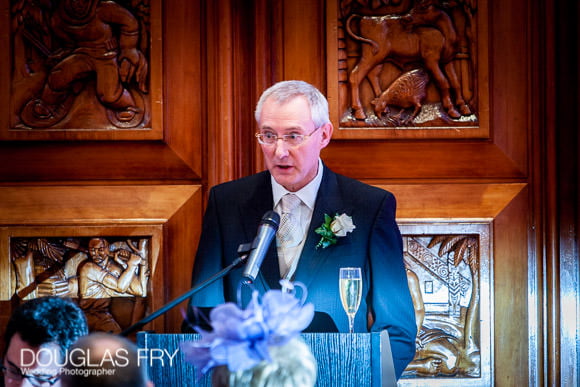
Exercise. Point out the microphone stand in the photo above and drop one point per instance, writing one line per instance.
(243, 251)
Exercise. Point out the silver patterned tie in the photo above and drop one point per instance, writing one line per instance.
(290, 232)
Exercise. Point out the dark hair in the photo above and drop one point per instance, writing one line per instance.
(47, 320)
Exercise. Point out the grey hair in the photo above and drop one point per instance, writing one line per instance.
(285, 91)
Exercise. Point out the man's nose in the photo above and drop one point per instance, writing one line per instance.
(281, 148)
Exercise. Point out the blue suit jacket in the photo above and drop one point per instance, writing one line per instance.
(232, 217)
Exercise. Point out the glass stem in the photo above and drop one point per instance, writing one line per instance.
(350, 323)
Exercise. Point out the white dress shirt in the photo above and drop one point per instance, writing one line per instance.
(288, 257)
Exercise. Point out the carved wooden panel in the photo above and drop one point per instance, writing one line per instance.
(448, 269)
(109, 277)
(84, 66)
(206, 105)
(407, 68)
(177, 114)
(44, 227)
(465, 251)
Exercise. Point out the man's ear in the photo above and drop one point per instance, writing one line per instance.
(326, 134)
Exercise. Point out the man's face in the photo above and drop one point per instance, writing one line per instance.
(31, 366)
(79, 8)
(98, 251)
(292, 166)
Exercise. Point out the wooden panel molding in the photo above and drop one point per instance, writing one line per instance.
(408, 69)
(449, 274)
(441, 223)
(168, 215)
(422, 160)
(123, 204)
(100, 81)
(172, 150)
(500, 152)
(89, 161)
(453, 200)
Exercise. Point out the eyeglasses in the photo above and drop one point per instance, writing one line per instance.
(292, 139)
(15, 375)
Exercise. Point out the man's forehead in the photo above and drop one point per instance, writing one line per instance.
(276, 105)
(289, 128)
(19, 351)
(96, 242)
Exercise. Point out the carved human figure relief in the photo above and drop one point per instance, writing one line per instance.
(93, 271)
(80, 64)
(407, 63)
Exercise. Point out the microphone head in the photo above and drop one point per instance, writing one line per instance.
(271, 218)
(266, 232)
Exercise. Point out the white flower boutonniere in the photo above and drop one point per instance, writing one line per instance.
(333, 228)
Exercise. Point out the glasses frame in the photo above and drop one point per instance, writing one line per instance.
(35, 380)
(285, 137)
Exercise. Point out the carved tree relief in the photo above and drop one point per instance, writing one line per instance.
(443, 273)
(95, 271)
(407, 63)
(80, 64)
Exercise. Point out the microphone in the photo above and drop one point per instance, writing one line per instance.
(258, 248)
(266, 231)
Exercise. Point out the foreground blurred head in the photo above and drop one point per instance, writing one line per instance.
(37, 336)
(105, 360)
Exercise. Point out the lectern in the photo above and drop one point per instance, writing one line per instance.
(344, 359)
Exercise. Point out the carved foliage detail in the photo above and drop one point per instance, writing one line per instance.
(443, 274)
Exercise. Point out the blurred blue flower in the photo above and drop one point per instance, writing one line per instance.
(241, 337)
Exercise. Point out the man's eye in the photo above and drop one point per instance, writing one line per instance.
(269, 135)
(292, 136)
(14, 371)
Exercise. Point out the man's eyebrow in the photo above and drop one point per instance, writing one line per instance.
(289, 129)
(29, 373)
(13, 365)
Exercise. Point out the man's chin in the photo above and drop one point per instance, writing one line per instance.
(285, 182)
(282, 176)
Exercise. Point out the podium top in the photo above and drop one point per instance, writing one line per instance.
(344, 359)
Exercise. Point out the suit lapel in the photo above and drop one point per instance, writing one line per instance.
(328, 201)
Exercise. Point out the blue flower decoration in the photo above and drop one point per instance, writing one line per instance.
(241, 337)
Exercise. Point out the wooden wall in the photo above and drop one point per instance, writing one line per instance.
(215, 58)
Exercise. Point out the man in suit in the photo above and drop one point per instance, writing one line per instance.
(293, 127)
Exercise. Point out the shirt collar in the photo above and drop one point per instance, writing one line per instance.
(307, 194)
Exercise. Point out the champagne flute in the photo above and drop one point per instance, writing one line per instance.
(350, 286)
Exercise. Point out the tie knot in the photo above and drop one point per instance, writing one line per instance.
(289, 203)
